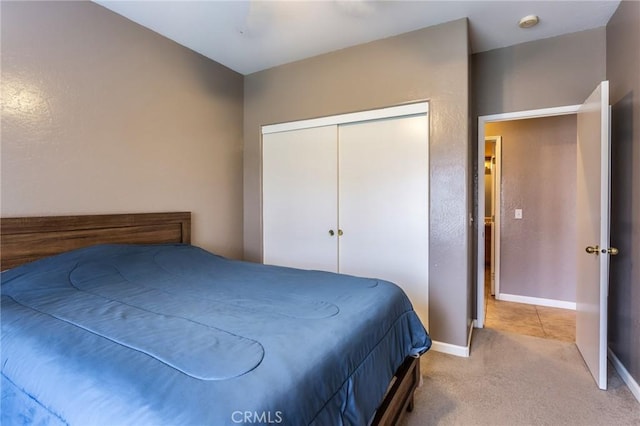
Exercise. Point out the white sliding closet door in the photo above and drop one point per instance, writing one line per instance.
(384, 202)
(300, 180)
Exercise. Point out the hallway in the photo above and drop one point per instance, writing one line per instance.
(531, 320)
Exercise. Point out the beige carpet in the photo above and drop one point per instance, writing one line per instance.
(513, 379)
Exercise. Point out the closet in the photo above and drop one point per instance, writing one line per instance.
(350, 194)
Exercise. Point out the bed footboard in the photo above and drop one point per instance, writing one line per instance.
(400, 396)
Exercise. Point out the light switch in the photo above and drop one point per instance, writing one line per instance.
(518, 213)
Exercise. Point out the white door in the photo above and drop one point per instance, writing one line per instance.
(300, 183)
(384, 203)
(593, 232)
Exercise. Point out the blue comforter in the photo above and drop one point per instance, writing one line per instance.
(172, 334)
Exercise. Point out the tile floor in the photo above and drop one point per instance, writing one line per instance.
(532, 320)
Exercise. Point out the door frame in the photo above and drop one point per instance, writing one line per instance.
(496, 200)
(480, 254)
(412, 108)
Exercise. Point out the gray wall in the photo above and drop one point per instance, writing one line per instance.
(538, 176)
(552, 72)
(100, 115)
(623, 72)
(408, 67)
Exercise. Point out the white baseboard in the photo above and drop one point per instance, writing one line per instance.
(552, 303)
(448, 348)
(457, 350)
(634, 387)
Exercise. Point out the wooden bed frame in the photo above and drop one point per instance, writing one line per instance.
(25, 239)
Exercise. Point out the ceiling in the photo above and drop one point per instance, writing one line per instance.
(249, 36)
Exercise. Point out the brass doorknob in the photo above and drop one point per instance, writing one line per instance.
(340, 232)
(611, 250)
(592, 250)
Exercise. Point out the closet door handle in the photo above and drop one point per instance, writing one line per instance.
(331, 232)
(340, 232)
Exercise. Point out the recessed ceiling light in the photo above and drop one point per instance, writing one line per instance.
(528, 21)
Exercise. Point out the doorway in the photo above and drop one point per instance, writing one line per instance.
(538, 296)
(492, 179)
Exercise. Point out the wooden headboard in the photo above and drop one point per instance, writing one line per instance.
(25, 239)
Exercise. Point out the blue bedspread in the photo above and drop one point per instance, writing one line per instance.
(172, 334)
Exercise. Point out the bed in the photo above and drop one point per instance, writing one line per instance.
(118, 319)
